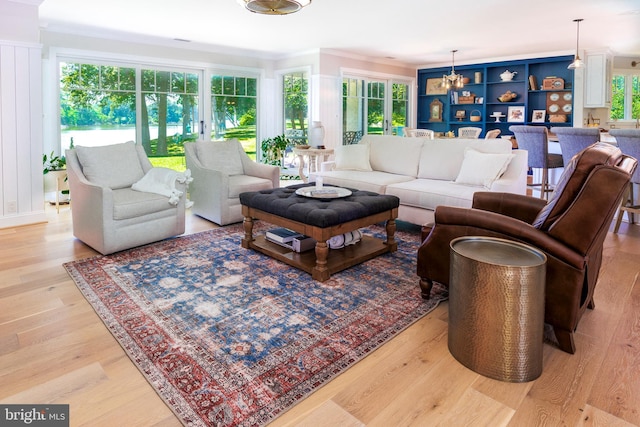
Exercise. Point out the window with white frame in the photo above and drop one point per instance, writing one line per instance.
(625, 96)
(234, 108)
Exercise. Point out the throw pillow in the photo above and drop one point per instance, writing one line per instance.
(114, 166)
(352, 157)
(481, 169)
(221, 156)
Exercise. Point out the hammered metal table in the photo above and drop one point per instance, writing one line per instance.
(496, 307)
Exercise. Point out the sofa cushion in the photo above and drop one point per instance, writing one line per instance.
(442, 159)
(481, 169)
(221, 156)
(430, 193)
(368, 181)
(352, 157)
(395, 154)
(128, 203)
(114, 166)
(241, 183)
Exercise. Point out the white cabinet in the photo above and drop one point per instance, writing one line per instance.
(597, 83)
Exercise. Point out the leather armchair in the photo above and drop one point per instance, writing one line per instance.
(107, 213)
(221, 170)
(569, 229)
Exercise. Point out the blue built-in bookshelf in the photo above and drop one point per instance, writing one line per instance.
(551, 104)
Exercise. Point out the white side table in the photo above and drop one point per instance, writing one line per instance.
(312, 155)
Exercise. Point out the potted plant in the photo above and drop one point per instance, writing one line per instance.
(54, 169)
(273, 150)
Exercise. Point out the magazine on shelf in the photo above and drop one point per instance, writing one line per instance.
(281, 235)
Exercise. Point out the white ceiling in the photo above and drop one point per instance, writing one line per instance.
(415, 32)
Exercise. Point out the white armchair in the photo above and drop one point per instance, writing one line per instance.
(221, 170)
(107, 213)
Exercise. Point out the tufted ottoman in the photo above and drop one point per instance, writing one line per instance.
(320, 219)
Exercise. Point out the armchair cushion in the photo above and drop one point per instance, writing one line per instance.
(242, 183)
(128, 203)
(221, 156)
(481, 169)
(114, 166)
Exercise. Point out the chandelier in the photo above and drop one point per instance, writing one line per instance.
(452, 80)
(577, 62)
(274, 7)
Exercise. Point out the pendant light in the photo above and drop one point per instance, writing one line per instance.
(577, 62)
(274, 7)
(452, 80)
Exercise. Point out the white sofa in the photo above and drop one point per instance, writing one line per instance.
(426, 173)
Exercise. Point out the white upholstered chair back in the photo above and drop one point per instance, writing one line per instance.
(420, 133)
(469, 132)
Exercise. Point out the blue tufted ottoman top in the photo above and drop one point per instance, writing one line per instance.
(285, 203)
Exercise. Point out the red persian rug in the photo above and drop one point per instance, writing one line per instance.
(231, 337)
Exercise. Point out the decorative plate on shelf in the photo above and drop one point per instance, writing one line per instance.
(566, 108)
(567, 97)
(554, 97)
(324, 192)
(554, 108)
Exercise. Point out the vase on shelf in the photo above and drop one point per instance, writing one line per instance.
(316, 134)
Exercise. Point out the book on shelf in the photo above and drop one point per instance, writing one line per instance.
(281, 235)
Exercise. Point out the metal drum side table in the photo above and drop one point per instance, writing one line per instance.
(496, 307)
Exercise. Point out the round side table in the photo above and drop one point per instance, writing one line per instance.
(496, 307)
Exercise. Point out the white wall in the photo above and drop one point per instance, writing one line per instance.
(21, 182)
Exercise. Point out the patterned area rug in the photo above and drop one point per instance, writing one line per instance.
(231, 337)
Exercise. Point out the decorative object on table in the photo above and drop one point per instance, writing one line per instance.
(577, 62)
(274, 7)
(54, 171)
(460, 115)
(477, 77)
(435, 87)
(475, 116)
(515, 114)
(508, 96)
(208, 301)
(316, 134)
(435, 111)
(497, 115)
(452, 80)
(303, 147)
(466, 98)
(533, 82)
(538, 116)
(507, 75)
(552, 83)
(273, 150)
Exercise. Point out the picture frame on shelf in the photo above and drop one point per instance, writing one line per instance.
(515, 114)
(538, 116)
(435, 111)
(435, 87)
(480, 100)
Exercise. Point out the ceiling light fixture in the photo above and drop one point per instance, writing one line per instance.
(274, 7)
(577, 62)
(453, 79)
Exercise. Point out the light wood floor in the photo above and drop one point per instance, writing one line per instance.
(55, 349)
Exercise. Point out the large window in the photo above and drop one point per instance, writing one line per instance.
(234, 108)
(296, 105)
(104, 104)
(169, 113)
(625, 100)
(97, 104)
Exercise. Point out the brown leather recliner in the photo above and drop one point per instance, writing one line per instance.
(569, 229)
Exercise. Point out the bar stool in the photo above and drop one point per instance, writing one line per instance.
(574, 140)
(629, 143)
(535, 140)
